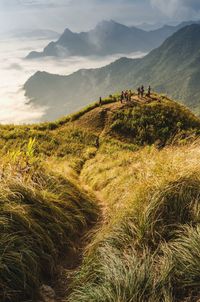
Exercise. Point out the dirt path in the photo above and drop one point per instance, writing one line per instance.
(67, 269)
(96, 120)
(59, 289)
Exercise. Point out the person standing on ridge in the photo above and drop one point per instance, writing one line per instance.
(142, 91)
(130, 95)
(149, 91)
(126, 96)
(122, 97)
(100, 101)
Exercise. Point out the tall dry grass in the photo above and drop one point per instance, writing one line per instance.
(42, 217)
(148, 249)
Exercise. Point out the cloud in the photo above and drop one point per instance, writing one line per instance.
(81, 15)
(15, 66)
(178, 8)
(19, 4)
(15, 71)
(75, 14)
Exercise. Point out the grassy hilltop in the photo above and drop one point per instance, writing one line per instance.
(102, 205)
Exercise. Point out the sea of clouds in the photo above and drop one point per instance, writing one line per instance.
(15, 71)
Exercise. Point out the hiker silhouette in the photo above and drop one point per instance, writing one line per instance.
(142, 91)
(149, 91)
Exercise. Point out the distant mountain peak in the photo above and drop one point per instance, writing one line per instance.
(108, 24)
(107, 38)
(67, 30)
(173, 68)
(67, 33)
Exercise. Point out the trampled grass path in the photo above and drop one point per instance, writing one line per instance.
(98, 120)
(69, 267)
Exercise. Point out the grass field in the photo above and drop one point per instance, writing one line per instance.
(148, 248)
(126, 175)
(43, 216)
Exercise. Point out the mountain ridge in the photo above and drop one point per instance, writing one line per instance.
(108, 37)
(156, 69)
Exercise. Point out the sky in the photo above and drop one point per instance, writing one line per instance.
(81, 15)
(77, 15)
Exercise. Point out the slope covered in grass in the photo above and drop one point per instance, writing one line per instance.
(158, 119)
(43, 216)
(141, 162)
(148, 249)
(143, 121)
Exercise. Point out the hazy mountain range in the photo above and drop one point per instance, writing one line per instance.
(107, 38)
(173, 68)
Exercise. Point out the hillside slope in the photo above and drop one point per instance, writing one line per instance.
(173, 68)
(141, 121)
(131, 168)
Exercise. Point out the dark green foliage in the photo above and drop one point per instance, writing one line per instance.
(156, 121)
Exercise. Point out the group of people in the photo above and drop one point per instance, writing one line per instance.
(141, 91)
(127, 95)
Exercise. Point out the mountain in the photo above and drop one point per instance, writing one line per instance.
(108, 37)
(172, 68)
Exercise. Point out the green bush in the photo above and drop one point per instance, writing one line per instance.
(148, 123)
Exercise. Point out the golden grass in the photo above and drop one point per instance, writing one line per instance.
(152, 200)
(42, 216)
(120, 175)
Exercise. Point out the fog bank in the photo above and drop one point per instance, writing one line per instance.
(15, 70)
